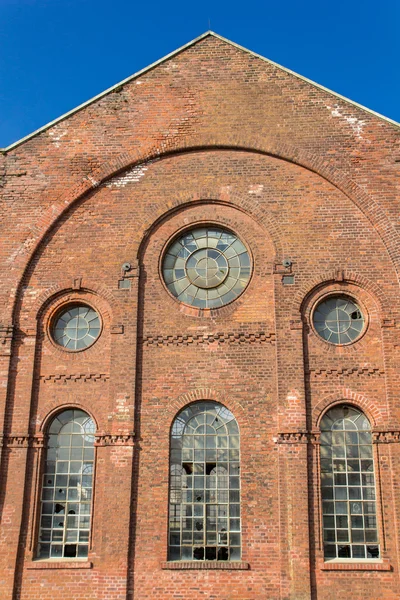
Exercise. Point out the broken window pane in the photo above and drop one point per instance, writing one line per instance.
(66, 494)
(213, 533)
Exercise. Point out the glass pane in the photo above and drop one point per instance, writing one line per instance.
(347, 493)
(206, 268)
(338, 320)
(213, 431)
(76, 327)
(71, 494)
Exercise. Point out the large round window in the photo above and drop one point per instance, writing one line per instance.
(338, 320)
(76, 327)
(206, 267)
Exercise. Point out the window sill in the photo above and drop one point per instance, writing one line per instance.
(206, 565)
(59, 564)
(356, 565)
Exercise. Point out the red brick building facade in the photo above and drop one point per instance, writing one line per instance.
(210, 139)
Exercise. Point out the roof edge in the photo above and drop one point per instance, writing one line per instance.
(106, 92)
(310, 81)
(174, 53)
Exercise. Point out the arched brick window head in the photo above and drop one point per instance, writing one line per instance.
(67, 487)
(204, 513)
(348, 485)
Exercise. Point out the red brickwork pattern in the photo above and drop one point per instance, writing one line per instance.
(212, 136)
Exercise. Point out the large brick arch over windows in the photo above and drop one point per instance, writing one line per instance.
(50, 412)
(61, 291)
(197, 395)
(206, 196)
(376, 415)
(271, 147)
(325, 278)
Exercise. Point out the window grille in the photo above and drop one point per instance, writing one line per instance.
(348, 485)
(67, 487)
(204, 513)
(338, 320)
(76, 327)
(207, 267)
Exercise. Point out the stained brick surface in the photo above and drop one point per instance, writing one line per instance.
(212, 135)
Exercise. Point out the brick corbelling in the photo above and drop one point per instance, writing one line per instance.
(39, 440)
(221, 338)
(346, 372)
(115, 439)
(296, 437)
(386, 436)
(313, 437)
(63, 377)
(22, 441)
(372, 210)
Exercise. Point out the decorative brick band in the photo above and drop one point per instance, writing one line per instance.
(312, 437)
(296, 437)
(115, 439)
(357, 371)
(22, 441)
(386, 437)
(63, 378)
(206, 565)
(259, 337)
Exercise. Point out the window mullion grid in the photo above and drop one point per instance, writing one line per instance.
(349, 531)
(212, 486)
(68, 449)
(360, 540)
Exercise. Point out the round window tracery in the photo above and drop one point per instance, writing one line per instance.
(338, 320)
(206, 267)
(76, 327)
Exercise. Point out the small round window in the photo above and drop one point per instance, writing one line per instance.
(76, 327)
(338, 320)
(206, 267)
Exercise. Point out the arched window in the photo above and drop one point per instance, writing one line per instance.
(348, 485)
(67, 487)
(204, 513)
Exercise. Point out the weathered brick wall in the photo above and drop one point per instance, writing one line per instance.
(212, 135)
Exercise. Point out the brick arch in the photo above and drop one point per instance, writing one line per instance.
(376, 415)
(328, 277)
(214, 196)
(63, 288)
(199, 394)
(258, 144)
(52, 409)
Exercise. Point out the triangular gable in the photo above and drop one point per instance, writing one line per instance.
(171, 55)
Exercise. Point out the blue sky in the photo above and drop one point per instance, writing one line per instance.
(56, 54)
